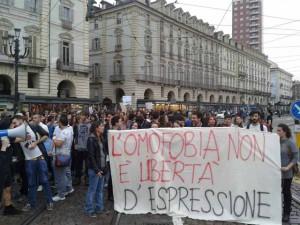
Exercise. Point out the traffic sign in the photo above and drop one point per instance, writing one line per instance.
(295, 110)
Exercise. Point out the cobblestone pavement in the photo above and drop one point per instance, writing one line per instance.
(70, 212)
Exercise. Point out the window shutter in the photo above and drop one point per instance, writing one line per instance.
(71, 53)
(60, 50)
(71, 15)
(33, 47)
(61, 13)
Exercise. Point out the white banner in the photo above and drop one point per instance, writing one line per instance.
(225, 174)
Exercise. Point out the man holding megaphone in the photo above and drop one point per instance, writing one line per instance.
(35, 163)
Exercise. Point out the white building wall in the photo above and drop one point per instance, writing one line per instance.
(37, 24)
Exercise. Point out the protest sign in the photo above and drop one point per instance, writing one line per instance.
(127, 100)
(225, 174)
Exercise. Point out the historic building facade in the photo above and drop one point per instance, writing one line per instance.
(157, 53)
(296, 90)
(281, 85)
(57, 69)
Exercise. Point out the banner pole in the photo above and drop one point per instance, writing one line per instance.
(115, 220)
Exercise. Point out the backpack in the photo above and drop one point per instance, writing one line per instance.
(261, 126)
(39, 130)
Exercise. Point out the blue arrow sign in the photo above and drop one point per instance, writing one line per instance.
(295, 110)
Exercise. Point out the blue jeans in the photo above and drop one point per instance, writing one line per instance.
(95, 192)
(63, 179)
(37, 170)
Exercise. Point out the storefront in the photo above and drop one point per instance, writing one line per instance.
(47, 104)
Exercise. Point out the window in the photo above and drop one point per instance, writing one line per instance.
(33, 50)
(162, 48)
(66, 53)
(148, 20)
(179, 51)
(32, 80)
(161, 27)
(148, 68)
(179, 34)
(2, 34)
(148, 43)
(186, 54)
(96, 70)
(66, 14)
(96, 44)
(171, 49)
(96, 25)
(171, 31)
(30, 5)
(162, 71)
(118, 70)
(119, 18)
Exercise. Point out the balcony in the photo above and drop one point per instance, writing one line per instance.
(254, 6)
(227, 88)
(72, 67)
(95, 79)
(117, 78)
(32, 62)
(118, 48)
(254, 12)
(152, 79)
(67, 24)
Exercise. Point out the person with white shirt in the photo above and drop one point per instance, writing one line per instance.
(62, 139)
(35, 165)
(255, 123)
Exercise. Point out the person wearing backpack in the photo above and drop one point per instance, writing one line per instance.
(255, 123)
(35, 163)
(289, 158)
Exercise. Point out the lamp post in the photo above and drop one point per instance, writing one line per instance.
(11, 44)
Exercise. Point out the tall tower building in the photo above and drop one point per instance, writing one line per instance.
(247, 22)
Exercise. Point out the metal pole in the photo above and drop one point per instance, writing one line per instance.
(17, 51)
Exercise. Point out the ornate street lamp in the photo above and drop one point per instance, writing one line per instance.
(11, 45)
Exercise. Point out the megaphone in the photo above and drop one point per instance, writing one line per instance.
(15, 132)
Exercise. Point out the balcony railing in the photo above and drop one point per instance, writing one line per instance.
(118, 48)
(117, 78)
(33, 62)
(227, 88)
(72, 67)
(95, 79)
(67, 24)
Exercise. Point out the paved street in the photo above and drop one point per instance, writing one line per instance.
(70, 211)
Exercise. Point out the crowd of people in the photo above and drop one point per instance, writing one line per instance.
(68, 149)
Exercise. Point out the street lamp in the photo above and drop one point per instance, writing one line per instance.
(11, 45)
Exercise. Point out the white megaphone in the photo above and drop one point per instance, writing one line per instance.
(15, 132)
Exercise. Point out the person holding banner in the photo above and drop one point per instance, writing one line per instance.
(96, 170)
(196, 119)
(289, 157)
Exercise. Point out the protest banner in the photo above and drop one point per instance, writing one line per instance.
(216, 174)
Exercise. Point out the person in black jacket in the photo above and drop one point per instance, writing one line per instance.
(6, 153)
(96, 170)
